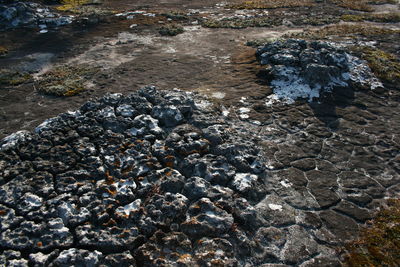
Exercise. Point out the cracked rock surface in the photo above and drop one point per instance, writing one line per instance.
(159, 178)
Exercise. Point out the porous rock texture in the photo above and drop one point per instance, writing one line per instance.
(31, 15)
(312, 69)
(159, 178)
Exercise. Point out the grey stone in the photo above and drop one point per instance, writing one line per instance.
(205, 252)
(205, 219)
(12, 258)
(268, 242)
(168, 115)
(275, 211)
(299, 247)
(167, 249)
(8, 218)
(40, 259)
(210, 190)
(214, 169)
(311, 70)
(30, 15)
(343, 227)
(29, 235)
(110, 239)
(77, 257)
(196, 188)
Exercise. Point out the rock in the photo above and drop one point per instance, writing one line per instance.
(247, 215)
(168, 249)
(30, 15)
(244, 181)
(41, 260)
(126, 110)
(110, 239)
(311, 70)
(353, 211)
(214, 169)
(168, 115)
(268, 243)
(324, 191)
(71, 215)
(119, 182)
(14, 139)
(299, 246)
(29, 235)
(12, 258)
(275, 211)
(77, 257)
(215, 252)
(343, 227)
(8, 218)
(205, 219)
(196, 188)
(124, 259)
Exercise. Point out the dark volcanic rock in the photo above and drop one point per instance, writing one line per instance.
(31, 15)
(157, 179)
(309, 70)
(120, 171)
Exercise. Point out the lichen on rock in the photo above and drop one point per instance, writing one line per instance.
(301, 69)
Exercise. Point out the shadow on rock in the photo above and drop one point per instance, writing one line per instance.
(323, 73)
(325, 110)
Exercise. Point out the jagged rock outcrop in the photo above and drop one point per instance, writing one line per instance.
(30, 15)
(300, 69)
(160, 178)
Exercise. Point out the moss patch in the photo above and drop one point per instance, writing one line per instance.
(362, 5)
(345, 30)
(379, 242)
(263, 41)
(271, 4)
(65, 80)
(385, 66)
(171, 30)
(267, 21)
(385, 18)
(13, 78)
(71, 5)
(238, 23)
(175, 15)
